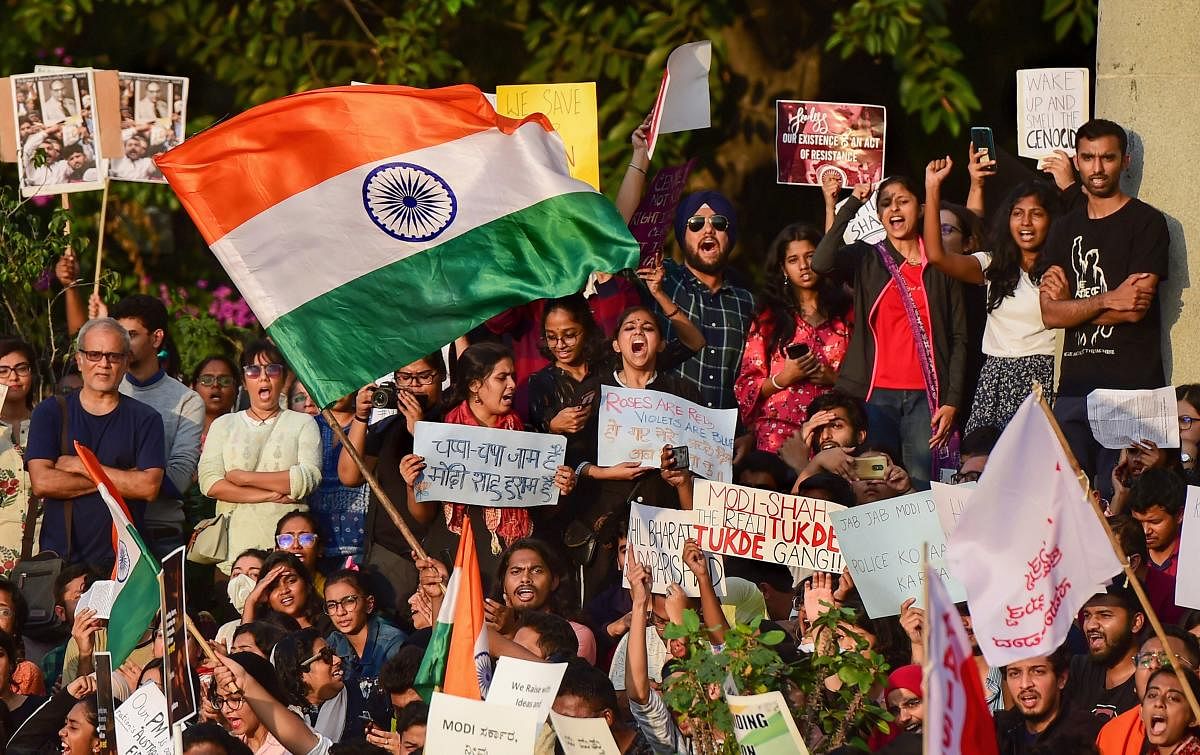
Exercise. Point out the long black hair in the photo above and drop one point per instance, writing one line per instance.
(8, 346)
(777, 303)
(592, 339)
(290, 652)
(474, 365)
(313, 610)
(1004, 272)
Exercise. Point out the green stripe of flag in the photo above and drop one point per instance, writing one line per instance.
(135, 605)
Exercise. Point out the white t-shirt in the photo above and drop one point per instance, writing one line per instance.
(1015, 328)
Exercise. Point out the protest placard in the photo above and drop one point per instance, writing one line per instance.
(656, 537)
(951, 501)
(571, 109)
(654, 217)
(814, 138)
(142, 727)
(1051, 104)
(526, 685)
(55, 119)
(106, 730)
(635, 424)
(486, 466)
(865, 225)
(1122, 418)
(766, 526)
(457, 724)
(177, 675)
(882, 542)
(1187, 580)
(156, 113)
(683, 102)
(763, 725)
(584, 736)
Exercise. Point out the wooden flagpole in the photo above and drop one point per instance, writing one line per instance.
(100, 240)
(1130, 575)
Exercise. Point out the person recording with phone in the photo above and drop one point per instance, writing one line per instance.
(416, 395)
(796, 343)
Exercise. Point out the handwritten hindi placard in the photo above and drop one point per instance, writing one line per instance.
(1051, 104)
(882, 542)
(763, 525)
(487, 467)
(571, 109)
(635, 424)
(656, 537)
(814, 138)
(653, 218)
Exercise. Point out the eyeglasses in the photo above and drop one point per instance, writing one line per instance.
(225, 381)
(20, 370)
(113, 357)
(718, 222)
(347, 604)
(948, 229)
(325, 654)
(233, 702)
(253, 371)
(417, 378)
(566, 339)
(958, 478)
(6, 613)
(1159, 659)
(1185, 422)
(287, 540)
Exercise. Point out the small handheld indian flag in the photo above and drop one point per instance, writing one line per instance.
(135, 571)
(368, 226)
(456, 660)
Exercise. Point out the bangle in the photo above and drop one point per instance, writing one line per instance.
(639, 170)
(581, 468)
(778, 387)
(672, 315)
(363, 420)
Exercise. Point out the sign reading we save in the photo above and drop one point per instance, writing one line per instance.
(571, 109)
(635, 424)
(766, 526)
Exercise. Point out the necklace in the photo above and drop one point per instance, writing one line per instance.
(253, 414)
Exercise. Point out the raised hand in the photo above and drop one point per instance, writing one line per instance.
(937, 170)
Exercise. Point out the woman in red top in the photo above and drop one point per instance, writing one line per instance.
(799, 311)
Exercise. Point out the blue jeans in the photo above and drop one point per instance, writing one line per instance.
(1096, 461)
(899, 421)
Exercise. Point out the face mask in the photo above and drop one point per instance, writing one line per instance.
(239, 589)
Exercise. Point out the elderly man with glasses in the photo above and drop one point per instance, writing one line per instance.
(125, 434)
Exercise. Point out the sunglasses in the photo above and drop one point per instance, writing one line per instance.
(287, 540)
(225, 381)
(325, 654)
(718, 222)
(253, 371)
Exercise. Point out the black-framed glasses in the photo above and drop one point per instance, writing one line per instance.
(346, 604)
(287, 540)
(417, 378)
(112, 357)
(233, 701)
(718, 222)
(1185, 422)
(958, 478)
(566, 339)
(225, 381)
(23, 369)
(948, 229)
(253, 371)
(325, 654)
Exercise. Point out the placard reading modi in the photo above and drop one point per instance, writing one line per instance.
(487, 467)
(881, 543)
(815, 138)
(656, 537)
(635, 424)
(457, 724)
(766, 526)
(1051, 104)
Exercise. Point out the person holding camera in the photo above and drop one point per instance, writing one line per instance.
(796, 343)
(416, 395)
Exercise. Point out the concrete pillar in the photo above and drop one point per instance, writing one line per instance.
(1148, 80)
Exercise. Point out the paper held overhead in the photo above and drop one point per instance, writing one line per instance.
(1120, 419)
(683, 100)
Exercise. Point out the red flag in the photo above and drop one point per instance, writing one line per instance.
(957, 718)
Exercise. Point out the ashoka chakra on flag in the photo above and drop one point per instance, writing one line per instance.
(409, 202)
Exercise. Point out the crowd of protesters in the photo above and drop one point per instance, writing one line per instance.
(321, 611)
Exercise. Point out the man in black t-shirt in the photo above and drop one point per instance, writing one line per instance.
(1102, 680)
(1106, 258)
(1041, 721)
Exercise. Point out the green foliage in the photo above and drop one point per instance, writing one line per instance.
(1067, 14)
(829, 718)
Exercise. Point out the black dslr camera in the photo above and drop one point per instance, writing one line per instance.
(384, 397)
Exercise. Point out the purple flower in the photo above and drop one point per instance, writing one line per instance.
(222, 292)
(58, 52)
(43, 281)
(42, 201)
(202, 284)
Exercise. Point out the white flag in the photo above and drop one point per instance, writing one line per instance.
(957, 718)
(1029, 550)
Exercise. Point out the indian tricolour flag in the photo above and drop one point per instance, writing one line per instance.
(368, 226)
(135, 571)
(456, 660)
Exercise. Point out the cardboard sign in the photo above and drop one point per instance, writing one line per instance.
(763, 725)
(865, 225)
(1187, 579)
(526, 685)
(571, 109)
(1051, 104)
(951, 501)
(57, 126)
(654, 217)
(814, 138)
(177, 676)
(487, 467)
(882, 543)
(142, 727)
(766, 526)
(457, 724)
(656, 537)
(635, 424)
(683, 100)
(584, 736)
